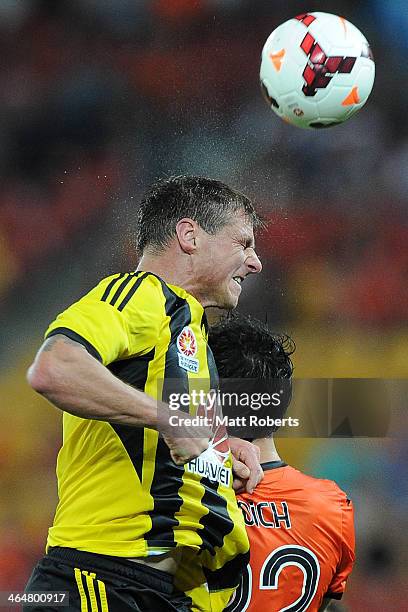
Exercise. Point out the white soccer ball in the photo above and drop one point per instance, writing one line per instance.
(317, 70)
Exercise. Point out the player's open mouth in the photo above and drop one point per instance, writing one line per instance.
(238, 279)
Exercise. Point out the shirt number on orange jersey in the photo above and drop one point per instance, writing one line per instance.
(275, 562)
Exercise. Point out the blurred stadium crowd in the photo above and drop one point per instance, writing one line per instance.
(97, 99)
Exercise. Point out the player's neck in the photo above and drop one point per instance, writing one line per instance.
(267, 449)
(168, 267)
(176, 268)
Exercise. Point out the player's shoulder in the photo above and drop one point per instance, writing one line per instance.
(139, 297)
(147, 281)
(121, 279)
(320, 486)
(123, 288)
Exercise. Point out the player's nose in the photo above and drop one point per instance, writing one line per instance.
(254, 263)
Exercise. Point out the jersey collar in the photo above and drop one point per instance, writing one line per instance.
(273, 465)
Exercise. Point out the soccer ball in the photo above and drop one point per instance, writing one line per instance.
(317, 70)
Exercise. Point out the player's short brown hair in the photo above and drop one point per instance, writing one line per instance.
(212, 204)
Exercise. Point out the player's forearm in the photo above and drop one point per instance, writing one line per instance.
(74, 381)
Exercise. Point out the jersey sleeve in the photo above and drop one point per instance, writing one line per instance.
(338, 584)
(117, 319)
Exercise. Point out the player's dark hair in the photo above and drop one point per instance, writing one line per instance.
(245, 349)
(208, 202)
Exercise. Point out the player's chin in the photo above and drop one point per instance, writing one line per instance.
(228, 297)
(231, 300)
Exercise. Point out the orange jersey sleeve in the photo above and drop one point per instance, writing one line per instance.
(338, 583)
(301, 535)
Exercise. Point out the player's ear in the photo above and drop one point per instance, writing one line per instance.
(187, 230)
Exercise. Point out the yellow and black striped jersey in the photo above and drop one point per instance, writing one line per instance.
(120, 493)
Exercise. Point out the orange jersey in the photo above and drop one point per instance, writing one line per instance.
(301, 534)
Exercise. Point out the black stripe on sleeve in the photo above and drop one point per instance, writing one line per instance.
(65, 331)
(132, 291)
(119, 290)
(109, 287)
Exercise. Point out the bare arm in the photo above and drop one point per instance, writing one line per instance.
(71, 379)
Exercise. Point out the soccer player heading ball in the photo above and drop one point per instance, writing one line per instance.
(130, 503)
(300, 528)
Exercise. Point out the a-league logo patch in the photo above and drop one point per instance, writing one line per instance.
(187, 349)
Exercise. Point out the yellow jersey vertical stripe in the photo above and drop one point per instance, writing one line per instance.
(82, 594)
